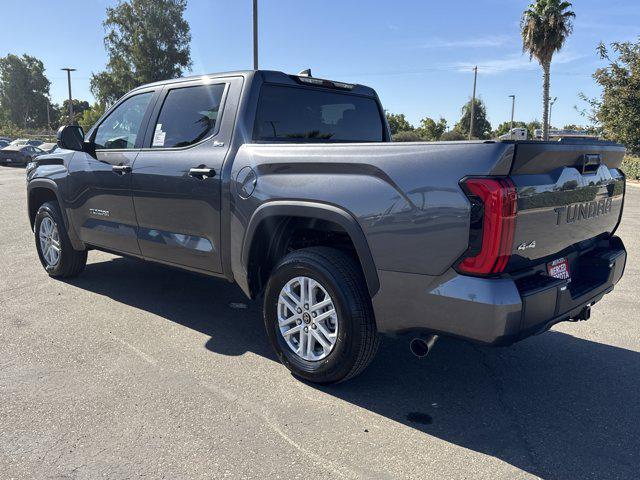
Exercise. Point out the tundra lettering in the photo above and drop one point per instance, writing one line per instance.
(583, 211)
(290, 186)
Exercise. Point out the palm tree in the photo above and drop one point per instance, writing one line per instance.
(545, 25)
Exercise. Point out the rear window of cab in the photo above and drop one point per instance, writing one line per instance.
(298, 114)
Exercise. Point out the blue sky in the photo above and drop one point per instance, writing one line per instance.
(417, 54)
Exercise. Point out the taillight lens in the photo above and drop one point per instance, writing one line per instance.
(494, 200)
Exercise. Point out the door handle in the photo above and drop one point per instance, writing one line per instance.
(201, 172)
(121, 169)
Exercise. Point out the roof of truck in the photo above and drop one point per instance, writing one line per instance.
(272, 76)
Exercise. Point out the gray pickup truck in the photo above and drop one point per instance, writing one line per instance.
(289, 185)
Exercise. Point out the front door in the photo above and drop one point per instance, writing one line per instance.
(177, 176)
(99, 185)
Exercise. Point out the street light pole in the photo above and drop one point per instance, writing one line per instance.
(513, 108)
(255, 34)
(69, 70)
(473, 100)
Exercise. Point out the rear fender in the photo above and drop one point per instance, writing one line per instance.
(318, 211)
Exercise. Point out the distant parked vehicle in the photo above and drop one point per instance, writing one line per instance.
(555, 135)
(5, 139)
(515, 134)
(19, 154)
(26, 141)
(48, 147)
(3, 143)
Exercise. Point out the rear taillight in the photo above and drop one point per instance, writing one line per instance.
(493, 220)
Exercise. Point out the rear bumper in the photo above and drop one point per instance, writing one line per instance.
(494, 311)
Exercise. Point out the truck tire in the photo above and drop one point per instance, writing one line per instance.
(319, 317)
(57, 255)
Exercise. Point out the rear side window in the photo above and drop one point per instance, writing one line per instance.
(306, 115)
(188, 116)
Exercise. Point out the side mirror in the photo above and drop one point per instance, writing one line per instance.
(71, 137)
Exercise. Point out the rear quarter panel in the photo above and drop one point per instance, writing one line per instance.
(405, 197)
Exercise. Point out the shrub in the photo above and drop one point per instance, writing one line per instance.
(407, 136)
(452, 136)
(631, 167)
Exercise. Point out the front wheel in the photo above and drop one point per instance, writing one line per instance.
(318, 315)
(56, 253)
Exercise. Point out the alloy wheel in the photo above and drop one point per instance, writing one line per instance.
(307, 318)
(49, 241)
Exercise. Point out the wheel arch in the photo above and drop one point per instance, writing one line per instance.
(43, 190)
(276, 216)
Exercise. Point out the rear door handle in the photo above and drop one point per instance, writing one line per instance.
(201, 172)
(121, 169)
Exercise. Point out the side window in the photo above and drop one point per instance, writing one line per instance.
(188, 115)
(121, 128)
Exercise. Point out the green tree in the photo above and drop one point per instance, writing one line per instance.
(79, 107)
(147, 41)
(545, 26)
(431, 130)
(532, 126)
(617, 110)
(481, 126)
(91, 115)
(398, 123)
(24, 91)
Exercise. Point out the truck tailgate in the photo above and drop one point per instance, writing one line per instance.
(568, 193)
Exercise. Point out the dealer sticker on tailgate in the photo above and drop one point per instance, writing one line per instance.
(559, 268)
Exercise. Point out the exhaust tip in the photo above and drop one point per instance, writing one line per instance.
(421, 347)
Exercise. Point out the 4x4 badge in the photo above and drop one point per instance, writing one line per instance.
(525, 245)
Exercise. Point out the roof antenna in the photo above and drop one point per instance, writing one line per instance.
(305, 73)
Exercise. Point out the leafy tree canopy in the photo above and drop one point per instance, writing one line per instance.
(147, 41)
(398, 123)
(91, 115)
(481, 126)
(617, 110)
(79, 107)
(431, 130)
(24, 91)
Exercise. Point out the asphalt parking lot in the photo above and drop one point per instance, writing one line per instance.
(132, 370)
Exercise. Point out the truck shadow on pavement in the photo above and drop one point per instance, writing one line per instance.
(555, 405)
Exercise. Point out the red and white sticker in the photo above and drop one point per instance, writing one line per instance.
(559, 268)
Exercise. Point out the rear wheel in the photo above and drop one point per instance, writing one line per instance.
(56, 253)
(318, 315)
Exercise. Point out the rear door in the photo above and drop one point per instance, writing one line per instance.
(177, 176)
(99, 186)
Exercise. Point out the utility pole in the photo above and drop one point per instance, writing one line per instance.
(255, 34)
(513, 109)
(69, 70)
(473, 100)
(48, 115)
(550, 107)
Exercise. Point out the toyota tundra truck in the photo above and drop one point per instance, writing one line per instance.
(290, 186)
